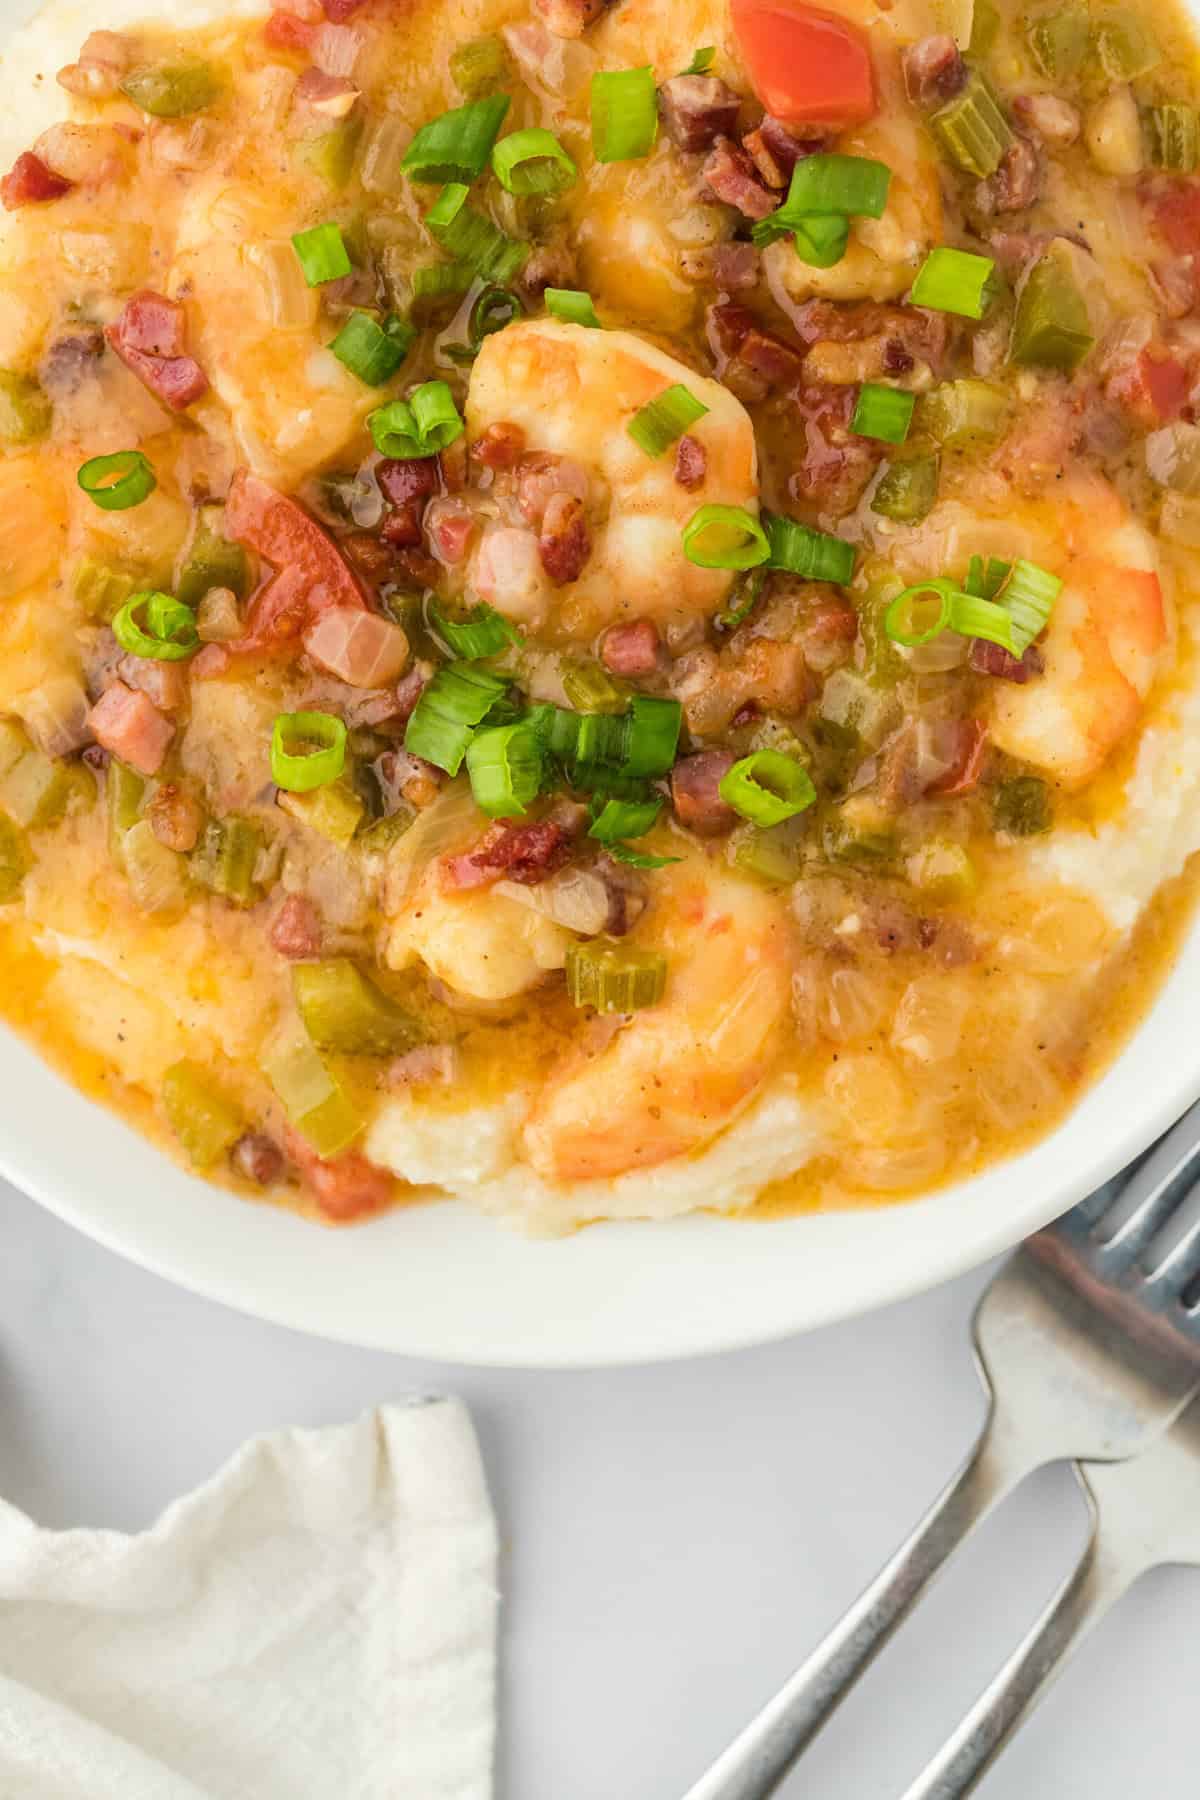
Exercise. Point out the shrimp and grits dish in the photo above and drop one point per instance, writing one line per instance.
(597, 597)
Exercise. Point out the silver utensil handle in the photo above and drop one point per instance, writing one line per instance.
(1010, 1697)
(757, 1760)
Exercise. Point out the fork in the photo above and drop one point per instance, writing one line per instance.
(1083, 1356)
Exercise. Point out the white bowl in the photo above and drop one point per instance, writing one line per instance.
(441, 1281)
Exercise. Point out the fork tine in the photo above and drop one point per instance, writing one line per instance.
(1172, 1256)
(1150, 1196)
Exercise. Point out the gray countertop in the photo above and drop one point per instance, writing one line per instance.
(675, 1537)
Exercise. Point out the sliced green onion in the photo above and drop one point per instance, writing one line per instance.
(491, 311)
(371, 350)
(422, 425)
(456, 146)
(907, 490)
(172, 90)
(987, 619)
(477, 65)
(814, 555)
(572, 305)
(591, 689)
(655, 426)
(639, 859)
(702, 62)
(435, 290)
(744, 598)
(1028, 596)
(1052, 327)
(1175, 131)
(169, 634)
(484, 631)
(725, 537)
(767, 787)
(470, 238)
(955, 281)
(820, 239)
(322, 254)
(855, 186)
(119, 481)
(920, 613)
(985, 580)
(444, 720)
(618, 819)
(964, 411)
(321, 758)
(624, 114)
(972, 130)
(505, 766)
(533, 162)
(654, 727)
(615, 978)
(882, 412)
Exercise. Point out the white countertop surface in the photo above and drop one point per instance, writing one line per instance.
(676, 1537)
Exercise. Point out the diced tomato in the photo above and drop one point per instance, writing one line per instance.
(807, 66)
(313, 575)
(284, 31)
(31, 180)
(1154, 388)
(1175, 206)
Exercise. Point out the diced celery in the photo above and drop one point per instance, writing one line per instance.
(1175, 133)
(1052, 326)
(36, 789)
(157, 876)
(313, 1100)
(226, 856)
(172, 90)
(378, 838)
(942, 869)
(1059, 41)
(206, 1123)
(103, 588)
(342, 1009)
(335, 810)
(907, 490)
(25, 410)
(211, 561)
(774, 855)
(589, 688)
(124, 790)
(615, 978)
(963, 412)
(860, 832)
(478, 66)
(332, 155)
(15, 858)
(1021, 807)
(1125, 48)
(985, 28)
(971, 128)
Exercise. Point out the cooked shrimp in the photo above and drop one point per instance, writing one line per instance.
(883, 255)
(677, 1073)
(479, 943)
(573, 391)
(1107, 632)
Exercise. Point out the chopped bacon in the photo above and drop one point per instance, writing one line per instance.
(1054, 120)
(129, 724)
(258, 1158)
(296, 931)
(524, 853)
(826, 628)
(149, 338)
(450, 525)
(750, 361)
(163, 682)
(329, 96)
(1153, 387)
(565, 543)
(631, 649)
(896, 927)
(695, 795)
(312, 575)
(569, 18)
(697, 109)
(994, 659)
(410, 689)
(176, 817)
(968, 747)
(911, 334)
(732, 177)
(934, 71)
(30, 181)
(499, 446)
(404, 777)
(360, 648)
(338, 11)
(402, 526)
(1043, 438)
(344, 1187)
(1016, 184)
(425, 1063)
(837, 463)
(407, 485)
(548, 265)
(285, 31)
(735, 266)
(541, 475)
(691, 462)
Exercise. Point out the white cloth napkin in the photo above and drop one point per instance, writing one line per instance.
(315, 1623)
